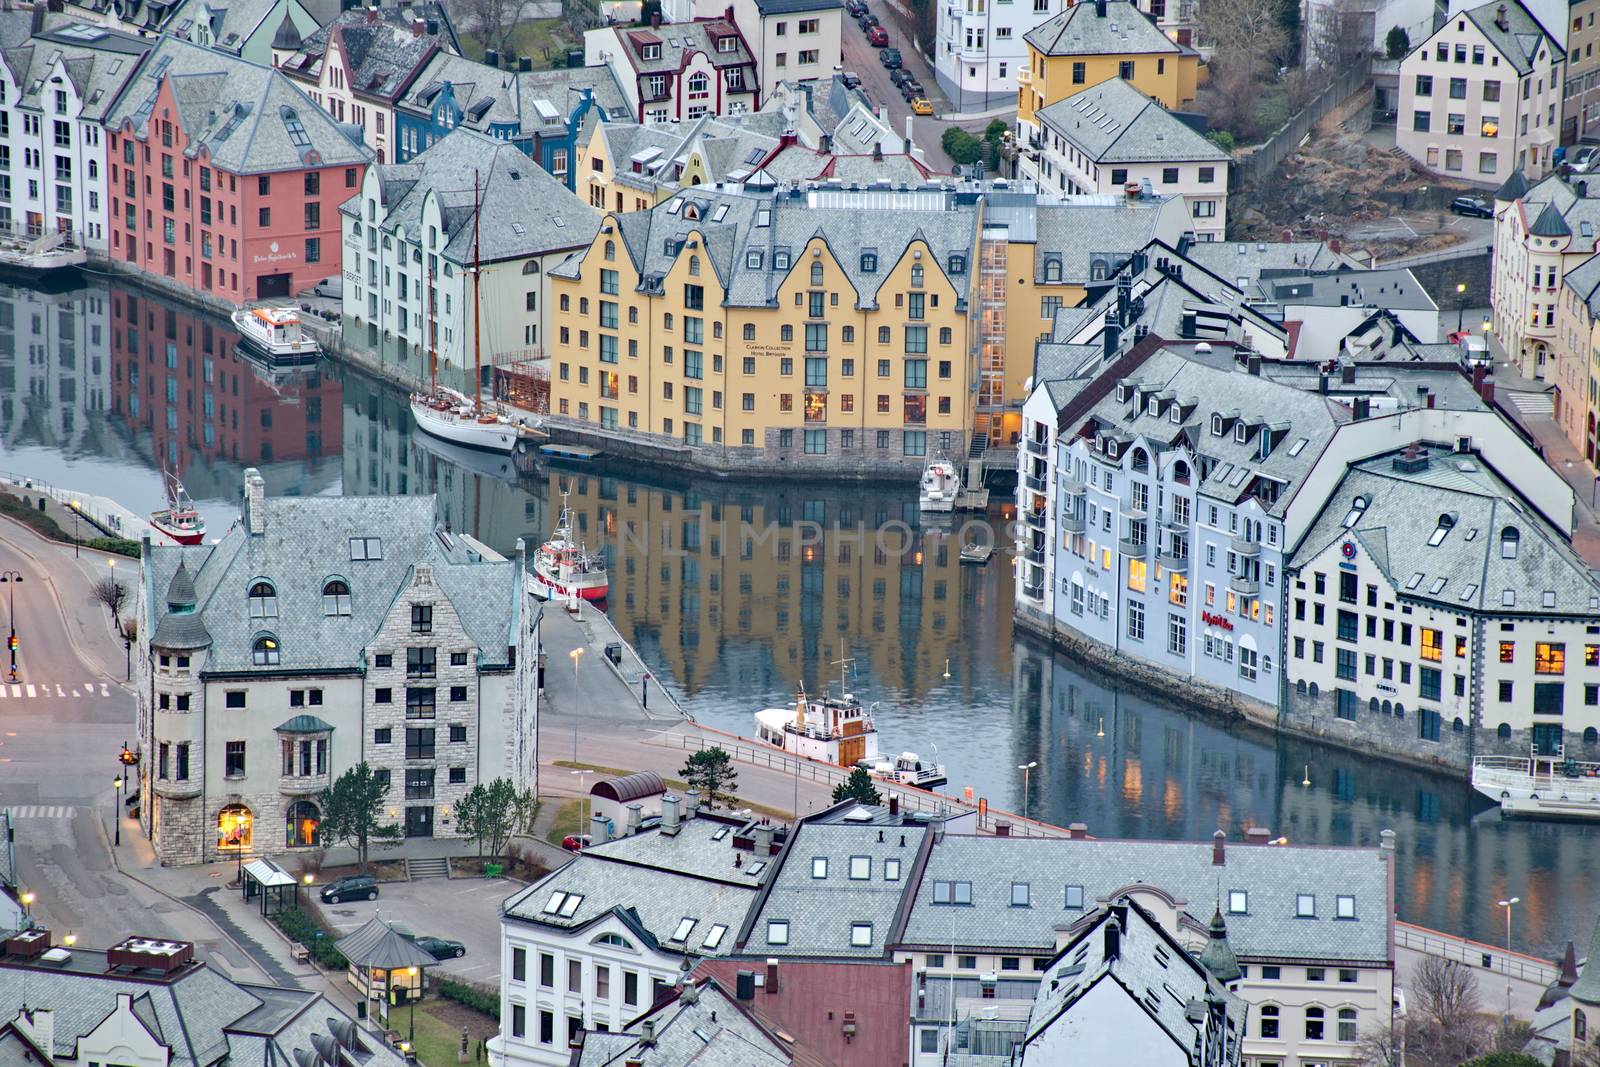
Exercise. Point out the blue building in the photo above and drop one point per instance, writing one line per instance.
(542, 112)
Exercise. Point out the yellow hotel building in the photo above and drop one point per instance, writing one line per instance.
(1094, 41)
(825, 329)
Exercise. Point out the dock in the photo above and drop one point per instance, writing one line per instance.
(972, 500)
(100, 512)
(577, 453)
(40, 252)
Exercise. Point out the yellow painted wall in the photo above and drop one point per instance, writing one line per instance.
(1170, 79)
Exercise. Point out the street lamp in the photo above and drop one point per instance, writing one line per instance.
(116, 814)
(583, 805)
(12, 578)
(1461, 303)
(70, 940)
(1027, 771)
(1508, 905)
(26, 898)
(75, 506)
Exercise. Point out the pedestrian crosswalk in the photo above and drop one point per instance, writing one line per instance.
(1532, 405)
(53, 690)
(43, 811)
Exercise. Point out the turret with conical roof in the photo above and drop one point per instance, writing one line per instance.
(181, 626)
(1586, 990)
(1566, 978)
(1550, 223)
(1217, 957)
(1514, 188)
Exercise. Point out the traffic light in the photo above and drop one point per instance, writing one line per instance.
(12, 642)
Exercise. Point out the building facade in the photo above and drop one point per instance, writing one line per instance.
(678, 70)
(1109, 135)
(418, 655)
(233, 192)
(790, 40)
(1540, 233)
(56, 91)
(1482, 96)
(1580, 104)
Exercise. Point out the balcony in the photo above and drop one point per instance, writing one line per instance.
(297, 785)
(1135, 513)
(1034, 555)
(1247, 548)
(1176, 564)
(174, 790)
(1073, 487)
(1133, 549)
(1073, 522)
(1245, 586)
(1036, 483)
(1037, 448)
(1036, 518)
(1033, 592)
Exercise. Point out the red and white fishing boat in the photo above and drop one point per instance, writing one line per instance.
(563, 568)
(180, 519)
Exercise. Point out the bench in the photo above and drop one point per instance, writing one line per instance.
(301, 954)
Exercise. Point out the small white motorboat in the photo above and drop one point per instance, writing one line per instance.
(908, 769)
(941, 484)
(1539, 786)
(277, 333)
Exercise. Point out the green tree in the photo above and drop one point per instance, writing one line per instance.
(351, 809)
(960, 146)
(712, 772)
(488, 814)
(527, 806)
(1397, 44)
(1222, 139)
(858, 787)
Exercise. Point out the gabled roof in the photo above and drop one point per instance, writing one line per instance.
(1520, 40)
(99, 62)
(1113, 122)
(700, 1025)
(381, 46)
(679, 41)
(1081, 30)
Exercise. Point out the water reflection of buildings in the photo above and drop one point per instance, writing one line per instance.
(1130, 767)
(208, 411)
(55, 370)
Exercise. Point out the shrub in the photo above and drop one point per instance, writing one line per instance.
(478, 998)
(298, 926)
(1397, 43)
(120, 546)
(960, 146)
(1222, 139)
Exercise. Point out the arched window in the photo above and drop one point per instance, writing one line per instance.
(1508, 542)
(336, 597)
(1052, 270)
(916, 276)
(611, 250)
(1580, 1024)
(944, 335)
(694, 264)
(1216, 423)
(786, 333)
(1347, 1025)
(1590, 735)
(698, 83)
(1459, 726)
(566, 302)
(1300, 687)
(1314, 690)
(816, 274)
(235, 826)
(1388, 708)
(263, 601)
(883, 335)
(1141, 460)
(615, 941)
(300, 824)
(749, 331)
(1503, 731)
(1372, 705)
(1269, 1021)
(1315, 1023)
(1399, 711)
(583, 305)
(264, 653)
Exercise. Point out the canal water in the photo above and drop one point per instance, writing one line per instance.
(737, 594)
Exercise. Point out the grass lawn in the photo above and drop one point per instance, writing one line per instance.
(439, 1024)
(530, 38)
(568, 817)
(670, 783)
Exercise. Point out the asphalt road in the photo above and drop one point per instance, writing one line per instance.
(862, 58)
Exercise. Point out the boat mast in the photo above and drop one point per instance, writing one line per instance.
(477, 350)
(433, 336)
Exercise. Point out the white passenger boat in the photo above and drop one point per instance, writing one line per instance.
(1539, 786)
(276, 333)
(837, 730)
(941, 484)
(909, 769)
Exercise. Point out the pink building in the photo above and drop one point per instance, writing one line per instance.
(225, 177)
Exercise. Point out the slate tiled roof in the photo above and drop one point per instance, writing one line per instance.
(702, 1025)
(523, 210)
(1467, 570)
(1081, 31)
(382, 51)
(1271, 875)
(1520, 40)
(1395, 288)
(1115, 123)
(240, 111)
(654, 881)
(794, 7)
(230, 24)
(1092, 233)
(679, 41)
(318, 529)
(528, 100)
(1243, 262)
(99, 62)
(864, 873)
(1584, 281)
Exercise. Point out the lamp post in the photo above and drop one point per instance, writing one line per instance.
(1027, 771)
(1461, 303)
(583, 806)
(27, 899)
(116, 819)
(74, 507)
(12, 578)
(1508, 905)
(411, 1008)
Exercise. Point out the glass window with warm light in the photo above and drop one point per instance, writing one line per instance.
(1549, 658)
(1432, 645)
(1137, 573)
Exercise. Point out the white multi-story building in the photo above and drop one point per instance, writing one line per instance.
(791, 40)
(411, 240)
(54, 95)
(593, 945)
(1110, 135)
(1482, 96)
(1540, 233)
(55, 360)
(263, 678)
(678, 70)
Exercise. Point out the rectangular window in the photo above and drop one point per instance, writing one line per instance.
(422, 618)
(233, 759)
(420, 702)
(1549, 658)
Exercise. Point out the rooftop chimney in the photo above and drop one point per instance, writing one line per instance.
(1386, 840)
(1362, 409)
(491, 57)
(599, 829)
(524, 64)
(433, 27)
(1253, 364)
(1257, 835)
(647, 1033)
(1111, 335)
(1219, 849)
(255, 502)
(1002, 828)
(669, 816)
(372, 13)
(763, 843)
(691, 802)
(1078, 831)
(1500, 18)
(772, 975)
(418, 27)
(1347, 373)
(744, 985)
(635, 818)
(894, 805)
(1099, 9)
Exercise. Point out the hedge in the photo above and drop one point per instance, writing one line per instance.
(477, 998)
(120, 546)
(25, 513)
(300, 927)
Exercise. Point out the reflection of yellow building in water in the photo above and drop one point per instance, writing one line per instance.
(827, 329)
(698, 579)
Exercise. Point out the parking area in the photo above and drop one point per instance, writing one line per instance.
(457, 909)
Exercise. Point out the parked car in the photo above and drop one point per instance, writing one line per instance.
(921, 106)
(899, 76)
(575, 842)
(855, 8)
(1586, 160)
(851, 79)
(867, 21)
(878, 37)
(910, 89)
(1472, 205)
(350, 887)
(890, 57)
(333, 287)
(440, 948)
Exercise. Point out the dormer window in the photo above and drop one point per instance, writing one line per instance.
(1174, 413)
(1441, 530)
(1153, 407)
(1241, 432)
(1052, 270)
(264, 653)
(336, 597)
(958, 264)
(650, 51)
(780, 261)
(1124, 391)
(263, 601)
(1357, 507)
(1509, 539)
(1216, 426)
(869, 262)
(1265, 448)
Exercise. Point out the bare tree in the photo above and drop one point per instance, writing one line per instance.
(491, 21)
(1341, 33)
(111, 594)
(1445, 1027)
(1247, 34)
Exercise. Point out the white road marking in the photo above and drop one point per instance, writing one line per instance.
(44, 811)
(74, 693)
(103, 690)
(16, 690)
(60, 692)
(29, 688)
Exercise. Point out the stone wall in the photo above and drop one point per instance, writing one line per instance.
(1395, 733)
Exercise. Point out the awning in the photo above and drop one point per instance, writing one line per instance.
(379, 945)
(304, 724)
(266, 873)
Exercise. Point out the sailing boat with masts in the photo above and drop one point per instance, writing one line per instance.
(442, 411)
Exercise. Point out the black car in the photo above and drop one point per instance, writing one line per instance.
(911, 89)
(899, 75)
(851, 79)
(890, 57)
(867, 20)
(440, 948)
(1471, 205)
(351, 887)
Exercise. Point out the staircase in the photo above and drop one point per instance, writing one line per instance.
(438, 867)
(980, 436)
